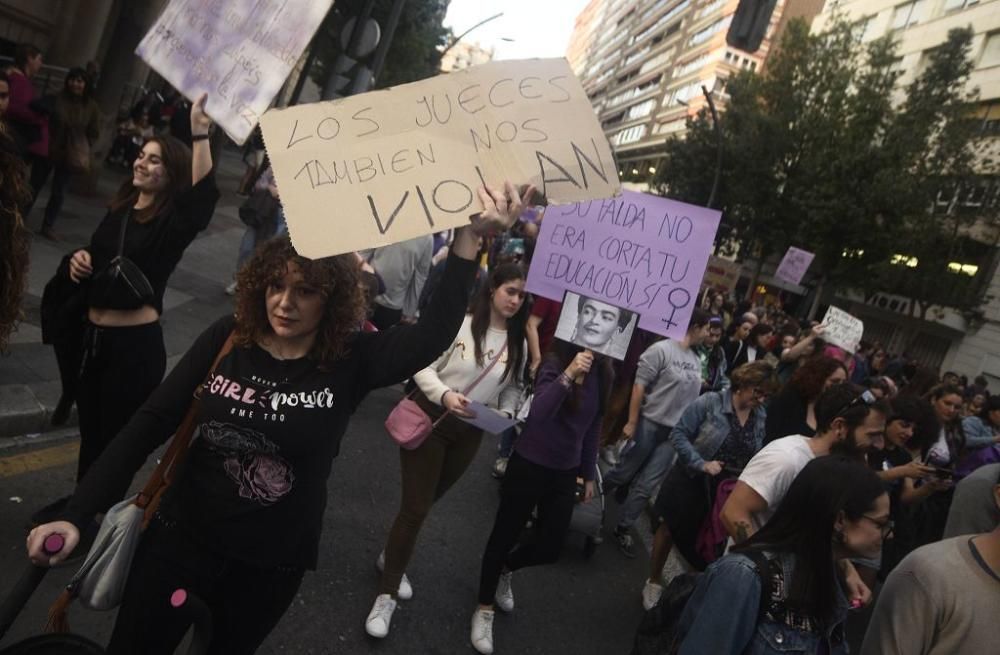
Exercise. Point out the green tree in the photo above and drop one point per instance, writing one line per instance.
(815, 154)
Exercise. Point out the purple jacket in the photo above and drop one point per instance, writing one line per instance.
(555, 436)
(19, 111)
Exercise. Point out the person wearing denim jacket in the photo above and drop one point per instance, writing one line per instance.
(983, 429)
(719, 429)
(834, 509)
(705, 425)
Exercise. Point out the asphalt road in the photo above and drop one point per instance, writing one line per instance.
(574, 606)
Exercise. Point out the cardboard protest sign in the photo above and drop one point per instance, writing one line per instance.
(639, 252)
(842, 329)
(238, 52)
(794, 265)
(391, 165)
(721, 274)
(595, 325)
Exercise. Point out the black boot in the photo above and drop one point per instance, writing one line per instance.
(61, 413)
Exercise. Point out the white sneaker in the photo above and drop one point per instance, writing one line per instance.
(651, 593)
(505, 595)
(405, 591)
(377, 623)
(482, 631)
(231, 288)
(500, 467)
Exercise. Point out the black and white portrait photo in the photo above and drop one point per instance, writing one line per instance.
(596, 325)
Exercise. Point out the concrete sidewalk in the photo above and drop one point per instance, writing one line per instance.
(29, 377)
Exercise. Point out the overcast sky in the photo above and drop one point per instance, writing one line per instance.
(539, 28)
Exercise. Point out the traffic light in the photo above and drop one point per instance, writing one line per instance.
(749, 25)
(348, 77)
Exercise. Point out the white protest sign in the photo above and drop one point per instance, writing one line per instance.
(794, 265)
(842, 329)
(236, 51)
(391, 165)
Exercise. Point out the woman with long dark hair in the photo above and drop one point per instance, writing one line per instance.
(492, 332)
(123, 273)
(241, 523)
(835, 509)
(792, 411)
(74, 127)
(559, 442)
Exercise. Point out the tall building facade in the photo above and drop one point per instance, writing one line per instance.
(463, 55)
(648, 62)
(968, 342)
(583, 29)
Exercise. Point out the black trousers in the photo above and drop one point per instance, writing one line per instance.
(245, 602)
(525, 485)
(121, 367)
(384, 318)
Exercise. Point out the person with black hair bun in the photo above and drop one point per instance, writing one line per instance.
(74, 127)
(782, 590)
(559, 443)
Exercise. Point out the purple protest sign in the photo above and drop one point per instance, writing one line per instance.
(637, 251)
(794, 265)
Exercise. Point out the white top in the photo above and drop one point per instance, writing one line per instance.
(771, 471)
(456, 369)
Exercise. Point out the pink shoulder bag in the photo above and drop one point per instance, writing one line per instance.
(409, 426)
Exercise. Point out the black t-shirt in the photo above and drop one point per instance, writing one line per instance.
(155, 246)
(253, 485)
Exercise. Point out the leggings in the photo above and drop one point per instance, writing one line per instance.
(524, 486)
(245, 601)
(122, 366)
(428, 472)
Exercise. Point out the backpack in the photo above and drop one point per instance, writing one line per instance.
(657, 632)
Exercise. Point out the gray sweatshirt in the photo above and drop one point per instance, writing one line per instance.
(671, 375)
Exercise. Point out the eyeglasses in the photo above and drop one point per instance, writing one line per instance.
(884, 526)
(866, 398)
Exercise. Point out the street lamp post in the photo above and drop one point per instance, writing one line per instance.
(463, 34)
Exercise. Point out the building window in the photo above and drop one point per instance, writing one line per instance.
(955, 5)
(909, 14)
(631, 135)
(991, 51)
(963, 269)
(710, 31)
(640, 110)
(904, 260)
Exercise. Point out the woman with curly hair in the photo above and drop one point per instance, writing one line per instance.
(241, 523)
(792, 410)
(14, 239)
(122, 275)
(485, 362)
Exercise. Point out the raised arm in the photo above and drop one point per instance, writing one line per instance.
(201, 153)
(401, 351)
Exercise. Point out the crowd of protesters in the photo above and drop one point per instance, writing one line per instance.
(799, 478)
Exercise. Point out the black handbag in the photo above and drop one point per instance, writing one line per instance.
(122, 284)
(260, 210)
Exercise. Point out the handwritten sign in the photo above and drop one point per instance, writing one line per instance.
(392, 165)
(842, 329)
(638, 252)
(238, 52)
(721, 274)
(794, 265)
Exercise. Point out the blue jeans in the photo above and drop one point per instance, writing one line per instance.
(644, 466)
(506, 443)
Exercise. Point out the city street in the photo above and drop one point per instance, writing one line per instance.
(575, 606)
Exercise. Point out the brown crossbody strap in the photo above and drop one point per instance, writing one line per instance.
(163, 474)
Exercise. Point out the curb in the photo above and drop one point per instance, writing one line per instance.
(27, 411)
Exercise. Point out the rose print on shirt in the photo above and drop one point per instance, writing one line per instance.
(251, 460)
